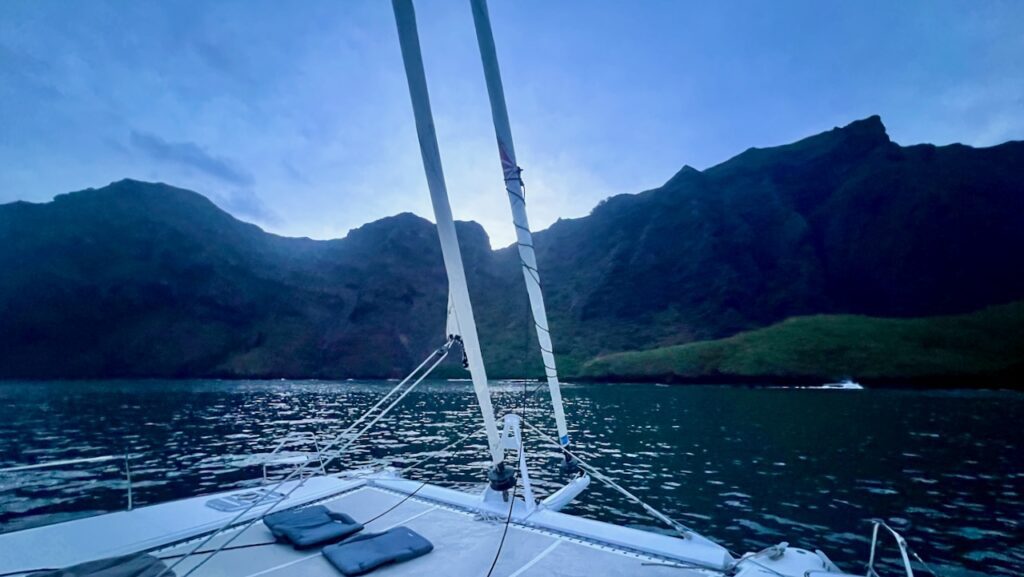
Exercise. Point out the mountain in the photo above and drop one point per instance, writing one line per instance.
(138, 279)
(842, 222)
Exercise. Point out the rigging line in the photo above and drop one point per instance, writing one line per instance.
(441, 353)
(504, 533)
(389, 509)
(521, 197)
(421, 462)
(302, 466)
(379, 401)
(922, 562)
(162, 558)
(414, 465)
(28, 571)
(236, 547)
(679, 565)
(391, 392)
(398, 504)
(765, 567)
(438, 452)
(676, 525)
(530, 268)
(512, 501)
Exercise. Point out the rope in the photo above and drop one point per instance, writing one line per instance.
(440, 353)
(388, 395)
(28, 571)
(512, 501)
(517, 176)
(678, 565)
(236, 547)
(162, 558)
(438, 452)
(504, 532)
(927, 567)
(388, 510)
(676, 525)
(420, 462)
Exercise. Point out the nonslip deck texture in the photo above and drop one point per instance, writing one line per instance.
(464, 546)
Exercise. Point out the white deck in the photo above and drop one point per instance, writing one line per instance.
(465, 543)
(466, 532)
(142, 529)
(464, 546)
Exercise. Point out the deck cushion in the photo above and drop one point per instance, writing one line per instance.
(136, 565)
(311, 526)
(364, 553)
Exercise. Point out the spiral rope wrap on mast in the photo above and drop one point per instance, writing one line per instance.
(512, 175)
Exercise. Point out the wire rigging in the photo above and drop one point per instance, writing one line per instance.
(440, 354)
(676, 525)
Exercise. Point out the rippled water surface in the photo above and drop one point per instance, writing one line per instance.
(748, 467)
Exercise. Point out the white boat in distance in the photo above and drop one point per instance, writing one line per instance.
(504, 529)
(843, 385)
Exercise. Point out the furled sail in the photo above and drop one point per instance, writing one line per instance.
(517, 199)
(405, 18)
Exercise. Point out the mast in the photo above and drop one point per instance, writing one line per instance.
(405, 18)
(517, 200)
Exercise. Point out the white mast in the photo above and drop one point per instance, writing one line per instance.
(405, 17)
(517, 199)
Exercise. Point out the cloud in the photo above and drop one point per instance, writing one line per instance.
(239, 200)
(294, 173)
(245, 203)
(190, 155)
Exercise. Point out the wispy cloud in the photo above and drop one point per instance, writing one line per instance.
(294, 173)
(189, 155)
(308, 110)
(239, 198)
(246, 204)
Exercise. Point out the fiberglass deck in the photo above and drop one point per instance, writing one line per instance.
(464, 545)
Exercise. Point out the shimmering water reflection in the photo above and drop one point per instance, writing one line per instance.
(749, 467)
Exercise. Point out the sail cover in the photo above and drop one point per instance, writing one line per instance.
(517, 199)
(408, 38)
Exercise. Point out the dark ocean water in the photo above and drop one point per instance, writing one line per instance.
(748, 467)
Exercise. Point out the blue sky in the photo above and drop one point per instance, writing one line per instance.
(296, 115)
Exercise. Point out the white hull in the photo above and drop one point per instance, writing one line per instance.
(844, 385)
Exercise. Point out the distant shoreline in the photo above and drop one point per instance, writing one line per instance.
(948, 382)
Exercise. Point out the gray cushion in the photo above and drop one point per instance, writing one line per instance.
(311, 526)
(136, 565)
(364, 553)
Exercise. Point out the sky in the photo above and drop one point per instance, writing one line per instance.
(296, 115)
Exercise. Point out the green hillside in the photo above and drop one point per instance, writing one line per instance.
(986, 346)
